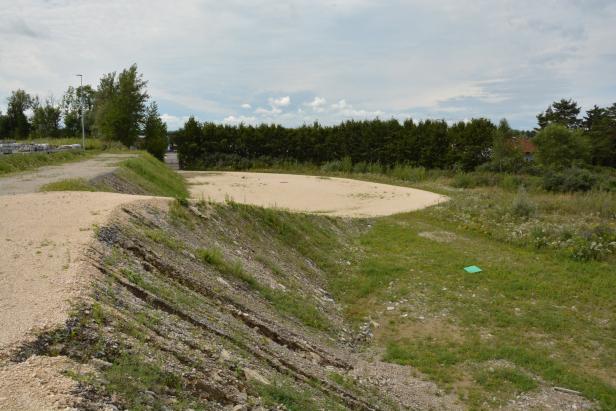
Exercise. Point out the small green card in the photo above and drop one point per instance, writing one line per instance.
(472, 269)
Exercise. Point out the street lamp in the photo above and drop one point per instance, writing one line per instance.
(83, 128)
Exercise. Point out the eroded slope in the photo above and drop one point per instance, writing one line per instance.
(223, 306)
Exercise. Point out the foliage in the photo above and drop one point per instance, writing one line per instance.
(155, 132)
(46, 118)
(470, 143)
(600, 125)
(71, 109)
(580, 226)
(358, 146)
(506, 156)
(120, 106)
(563, 112)
(16, 123)
(522, 206)
(560, 146)
(569, 180)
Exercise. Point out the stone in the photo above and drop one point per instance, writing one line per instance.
(252, 375)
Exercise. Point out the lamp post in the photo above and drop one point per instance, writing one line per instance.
(83, 128)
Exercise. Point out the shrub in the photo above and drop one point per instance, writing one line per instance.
(569, 180)
(557, 145)
(522, 206)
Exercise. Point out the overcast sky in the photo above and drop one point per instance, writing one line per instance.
(297, 61)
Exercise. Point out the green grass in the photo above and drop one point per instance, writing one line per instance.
(522, 308)
(71, 184)
(214, 257)
(294, 398)
(14, 163)
(281, 393)
(153, 176)
(163, 237)
(287, 302)
(132, 377)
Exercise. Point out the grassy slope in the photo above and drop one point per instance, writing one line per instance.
(153, 176)
(147, 173)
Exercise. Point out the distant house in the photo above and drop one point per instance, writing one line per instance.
(527, 147)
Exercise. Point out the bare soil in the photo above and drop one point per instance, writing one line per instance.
(320, 195)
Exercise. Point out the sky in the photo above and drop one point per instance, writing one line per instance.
(299, 61)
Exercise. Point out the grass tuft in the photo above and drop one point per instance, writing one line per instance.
(71, 184)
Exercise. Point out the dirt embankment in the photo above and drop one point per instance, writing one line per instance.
(206, 305)
(223, 307)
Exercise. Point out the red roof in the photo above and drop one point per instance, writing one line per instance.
(526, 145)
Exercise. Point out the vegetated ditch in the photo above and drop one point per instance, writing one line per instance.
(222, 307)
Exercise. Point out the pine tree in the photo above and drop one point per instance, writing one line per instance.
(563, 112)
(155, 131)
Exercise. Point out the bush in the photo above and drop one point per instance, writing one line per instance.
(522, 206)
(569, 180)
(559, 146)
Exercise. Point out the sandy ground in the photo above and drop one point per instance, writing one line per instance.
(31, 181)
(322, 195)
(43, 236)
(43, 269)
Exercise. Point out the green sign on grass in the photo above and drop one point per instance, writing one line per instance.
(472, 269)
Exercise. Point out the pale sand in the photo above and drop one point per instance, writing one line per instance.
(42, 239)
(322, 195)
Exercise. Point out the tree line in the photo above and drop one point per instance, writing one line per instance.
(117, 110)
(562, 138)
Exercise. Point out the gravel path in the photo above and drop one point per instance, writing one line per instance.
(32, 181)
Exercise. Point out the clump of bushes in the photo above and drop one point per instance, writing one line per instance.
(522, 206)
(569, 180)
(576, 179)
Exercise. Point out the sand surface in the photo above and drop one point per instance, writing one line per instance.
(42, 238)
(322, 195)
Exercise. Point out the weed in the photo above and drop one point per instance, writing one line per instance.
(521, 205)
(71, 184)
(163, 237)
(179, 214)
(284, 393)
(153, 176)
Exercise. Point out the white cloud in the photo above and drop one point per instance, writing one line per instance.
(317, 104)
(279, 102)
(265, 112)
(174, 122)
(340, 105)
(239, 120)
(246, 106)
